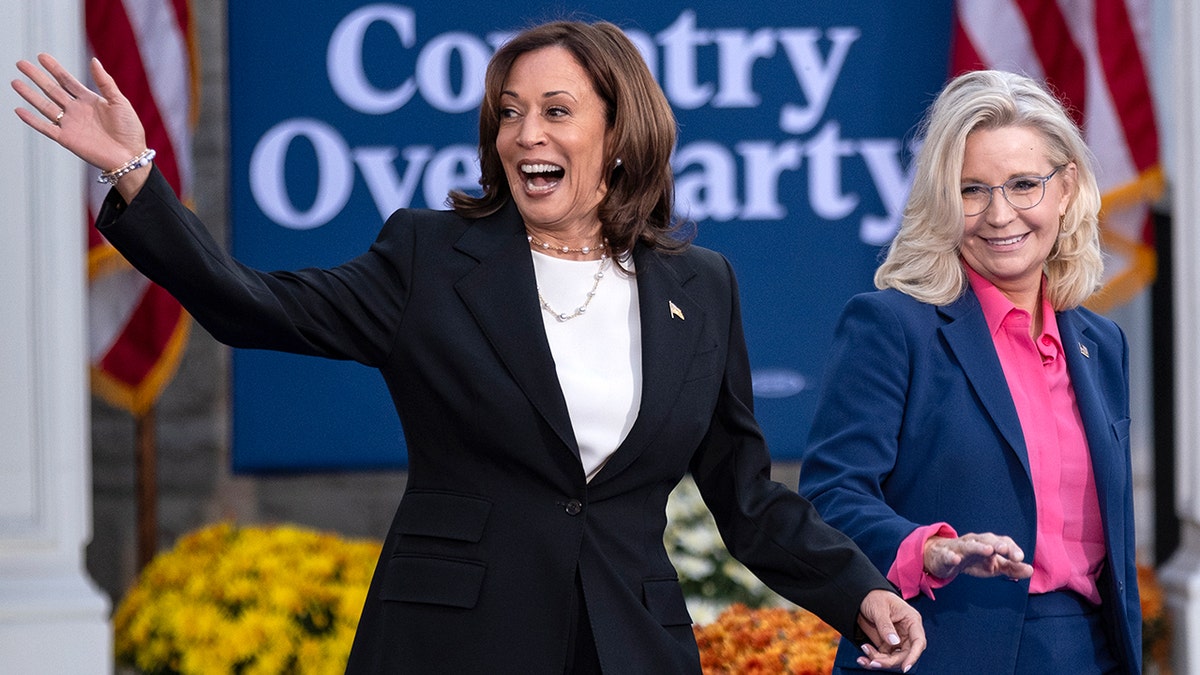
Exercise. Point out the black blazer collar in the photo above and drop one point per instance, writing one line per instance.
(501, 294)
(672, 323)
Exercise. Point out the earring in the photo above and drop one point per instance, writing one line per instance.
(618, 163)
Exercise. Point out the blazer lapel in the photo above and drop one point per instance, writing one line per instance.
(501, 294)
(1082, 363)
(672, 322)
(969, 339)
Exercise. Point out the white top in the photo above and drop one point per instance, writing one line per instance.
(597, 355)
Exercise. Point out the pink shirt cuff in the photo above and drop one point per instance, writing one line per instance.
(908, 571)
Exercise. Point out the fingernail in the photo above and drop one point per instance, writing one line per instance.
(864, 650)
(907, 668)
(876, 664)
(893, 639)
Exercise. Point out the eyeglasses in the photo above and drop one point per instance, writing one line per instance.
(1022, 192)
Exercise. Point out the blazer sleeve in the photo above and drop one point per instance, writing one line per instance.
(775, 532)
(854, 441)
(351, 311)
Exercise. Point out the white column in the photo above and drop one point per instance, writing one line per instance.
(53, 619)
(1181, 575)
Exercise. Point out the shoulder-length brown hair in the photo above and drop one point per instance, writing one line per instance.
(639, 204)
(924, 259)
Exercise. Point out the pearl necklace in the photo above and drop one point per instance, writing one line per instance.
(563, 316)
(564, 249)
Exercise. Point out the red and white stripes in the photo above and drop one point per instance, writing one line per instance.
(137, 332)
(1092, 55)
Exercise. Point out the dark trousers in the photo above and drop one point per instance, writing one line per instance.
(1064, 633)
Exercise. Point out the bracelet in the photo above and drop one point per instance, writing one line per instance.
(111, 177)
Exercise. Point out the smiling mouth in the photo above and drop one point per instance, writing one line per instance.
(1007, 241)
(541, 177)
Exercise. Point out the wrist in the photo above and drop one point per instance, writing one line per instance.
(928, 556)
(113, 176)
(132, 183)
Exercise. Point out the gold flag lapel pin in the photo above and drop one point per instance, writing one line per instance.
(676, 313)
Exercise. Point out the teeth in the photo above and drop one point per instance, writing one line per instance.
(541, 168)
(1006, 242)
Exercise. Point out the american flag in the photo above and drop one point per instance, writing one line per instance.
(137, 332)
(1092, 54)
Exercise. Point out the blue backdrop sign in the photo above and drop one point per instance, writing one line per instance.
(795, 120)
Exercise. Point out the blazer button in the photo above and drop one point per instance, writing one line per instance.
(574, 507)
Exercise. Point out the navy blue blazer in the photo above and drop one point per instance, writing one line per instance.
(915, 425)
(478, 570)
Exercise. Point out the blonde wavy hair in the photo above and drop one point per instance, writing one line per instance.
(923, 260)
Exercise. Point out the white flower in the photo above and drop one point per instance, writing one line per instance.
(700, 540)
(744, 577)
(703, 610)
(691, 567)
(710, 577)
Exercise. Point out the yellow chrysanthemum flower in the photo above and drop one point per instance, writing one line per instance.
(248, 600)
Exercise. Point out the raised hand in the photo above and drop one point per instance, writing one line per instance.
(101, 128)
(977, 555)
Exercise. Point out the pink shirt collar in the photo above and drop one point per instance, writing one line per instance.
(996, 306)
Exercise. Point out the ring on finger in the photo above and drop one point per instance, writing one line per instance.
(59, 116)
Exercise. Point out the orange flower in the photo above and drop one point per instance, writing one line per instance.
(770, 641)
(1151, 592)
(1156, 626)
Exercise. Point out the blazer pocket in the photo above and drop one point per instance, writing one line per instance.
(706, 363)
(664, 600)
(434, 581)
(445, 515)
(1121, 430)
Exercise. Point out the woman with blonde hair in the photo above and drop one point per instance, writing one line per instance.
(972, 434)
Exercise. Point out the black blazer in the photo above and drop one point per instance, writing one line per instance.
(478, 570)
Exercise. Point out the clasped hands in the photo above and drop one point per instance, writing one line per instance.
(894, 631)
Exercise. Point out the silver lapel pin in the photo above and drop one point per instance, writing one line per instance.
(1084, 350)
